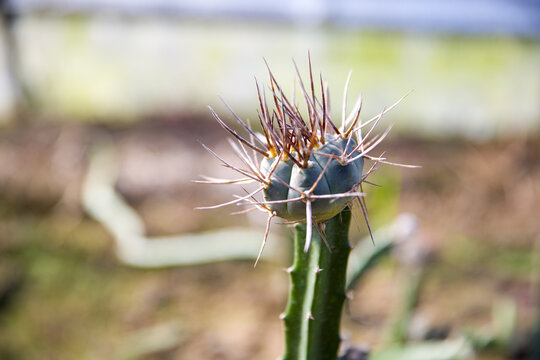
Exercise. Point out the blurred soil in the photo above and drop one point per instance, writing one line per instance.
(64, 295)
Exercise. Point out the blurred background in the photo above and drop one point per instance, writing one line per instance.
(103, 106)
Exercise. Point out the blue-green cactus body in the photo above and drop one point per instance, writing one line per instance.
(337, 179)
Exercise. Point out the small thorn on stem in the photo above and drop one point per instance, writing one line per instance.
(309, 226)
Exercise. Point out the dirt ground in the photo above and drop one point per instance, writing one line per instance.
(64, 294)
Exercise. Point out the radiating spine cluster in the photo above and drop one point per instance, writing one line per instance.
(310, 168)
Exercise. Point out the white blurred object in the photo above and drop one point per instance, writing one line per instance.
(105, 205)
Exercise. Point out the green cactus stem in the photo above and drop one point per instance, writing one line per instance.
(318, 278)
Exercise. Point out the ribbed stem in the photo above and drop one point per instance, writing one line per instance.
(317, 292)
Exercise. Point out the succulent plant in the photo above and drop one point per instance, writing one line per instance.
(309, 171)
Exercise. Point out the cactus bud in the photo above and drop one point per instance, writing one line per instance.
(307, 170)
(328, 174)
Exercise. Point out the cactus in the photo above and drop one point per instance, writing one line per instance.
(310, 173)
